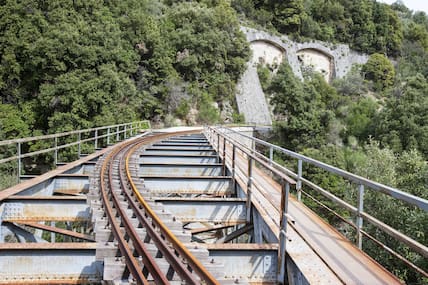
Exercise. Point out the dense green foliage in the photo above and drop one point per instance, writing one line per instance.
(341, 129)
(77, 64)
(373, 122)
(380, 71)
(366, 25)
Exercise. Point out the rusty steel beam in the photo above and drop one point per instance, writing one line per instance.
(213, 210)
(239, 232)
(210, 185)
(252, 263)
(59, 231)
(49, 263)
(52, 208)
(210, 228)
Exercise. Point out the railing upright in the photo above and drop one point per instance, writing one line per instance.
(79, 145)
(56, 152)
(224, 156)
(359, 221)
(283, 232)
(19, 161)
(250, 162)
(299, 180)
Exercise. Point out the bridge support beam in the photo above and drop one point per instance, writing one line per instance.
(213, 210)
(47, 263)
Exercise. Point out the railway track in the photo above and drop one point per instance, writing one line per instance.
(151, 252)
(168, 208)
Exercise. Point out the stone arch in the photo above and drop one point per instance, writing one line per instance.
(319, 59)
(267, 52)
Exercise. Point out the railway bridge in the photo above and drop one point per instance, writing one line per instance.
(205, 205)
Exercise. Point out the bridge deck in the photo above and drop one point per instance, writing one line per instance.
(342, 262)
(321, 254)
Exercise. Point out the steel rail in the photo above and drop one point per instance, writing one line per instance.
(130, 260)
(167, 252)
(175, 254)
(195, 264)
(139, 246)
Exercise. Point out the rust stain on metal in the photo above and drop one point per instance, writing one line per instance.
(49, 246)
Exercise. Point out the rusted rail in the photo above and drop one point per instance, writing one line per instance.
(118, 193)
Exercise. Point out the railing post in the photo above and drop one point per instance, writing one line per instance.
(79, 148)
(117, 133)
(270, 155)
(96, 140)
(249, 190)
(218, 142)
(359, 222)
(233, 166)
(124, 133)
(18, 150)
(283, 232)
(56, 152)
(53, 224)
(224, 156)
(218, 147)
(299, 180)
(108, 136)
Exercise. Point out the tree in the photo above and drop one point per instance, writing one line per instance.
(359, 118)
(379, 70)
(389, 30)
(301, 108)
(404, 119)
(12, 123)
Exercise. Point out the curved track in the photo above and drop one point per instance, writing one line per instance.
(133, 223)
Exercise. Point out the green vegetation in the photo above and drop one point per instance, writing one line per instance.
(373, 122)
(67, 65)
(380, 71)
(76, 64)
(366, 25)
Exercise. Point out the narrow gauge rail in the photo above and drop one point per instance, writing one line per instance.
(120, 197)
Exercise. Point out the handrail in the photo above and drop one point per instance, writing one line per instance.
(393, 192)
(251, 158)
(58, 135)
(112, 132)
(362, 182)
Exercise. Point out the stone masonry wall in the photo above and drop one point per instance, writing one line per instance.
(266, 47)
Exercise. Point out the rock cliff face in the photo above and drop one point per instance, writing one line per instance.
(334, 61)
